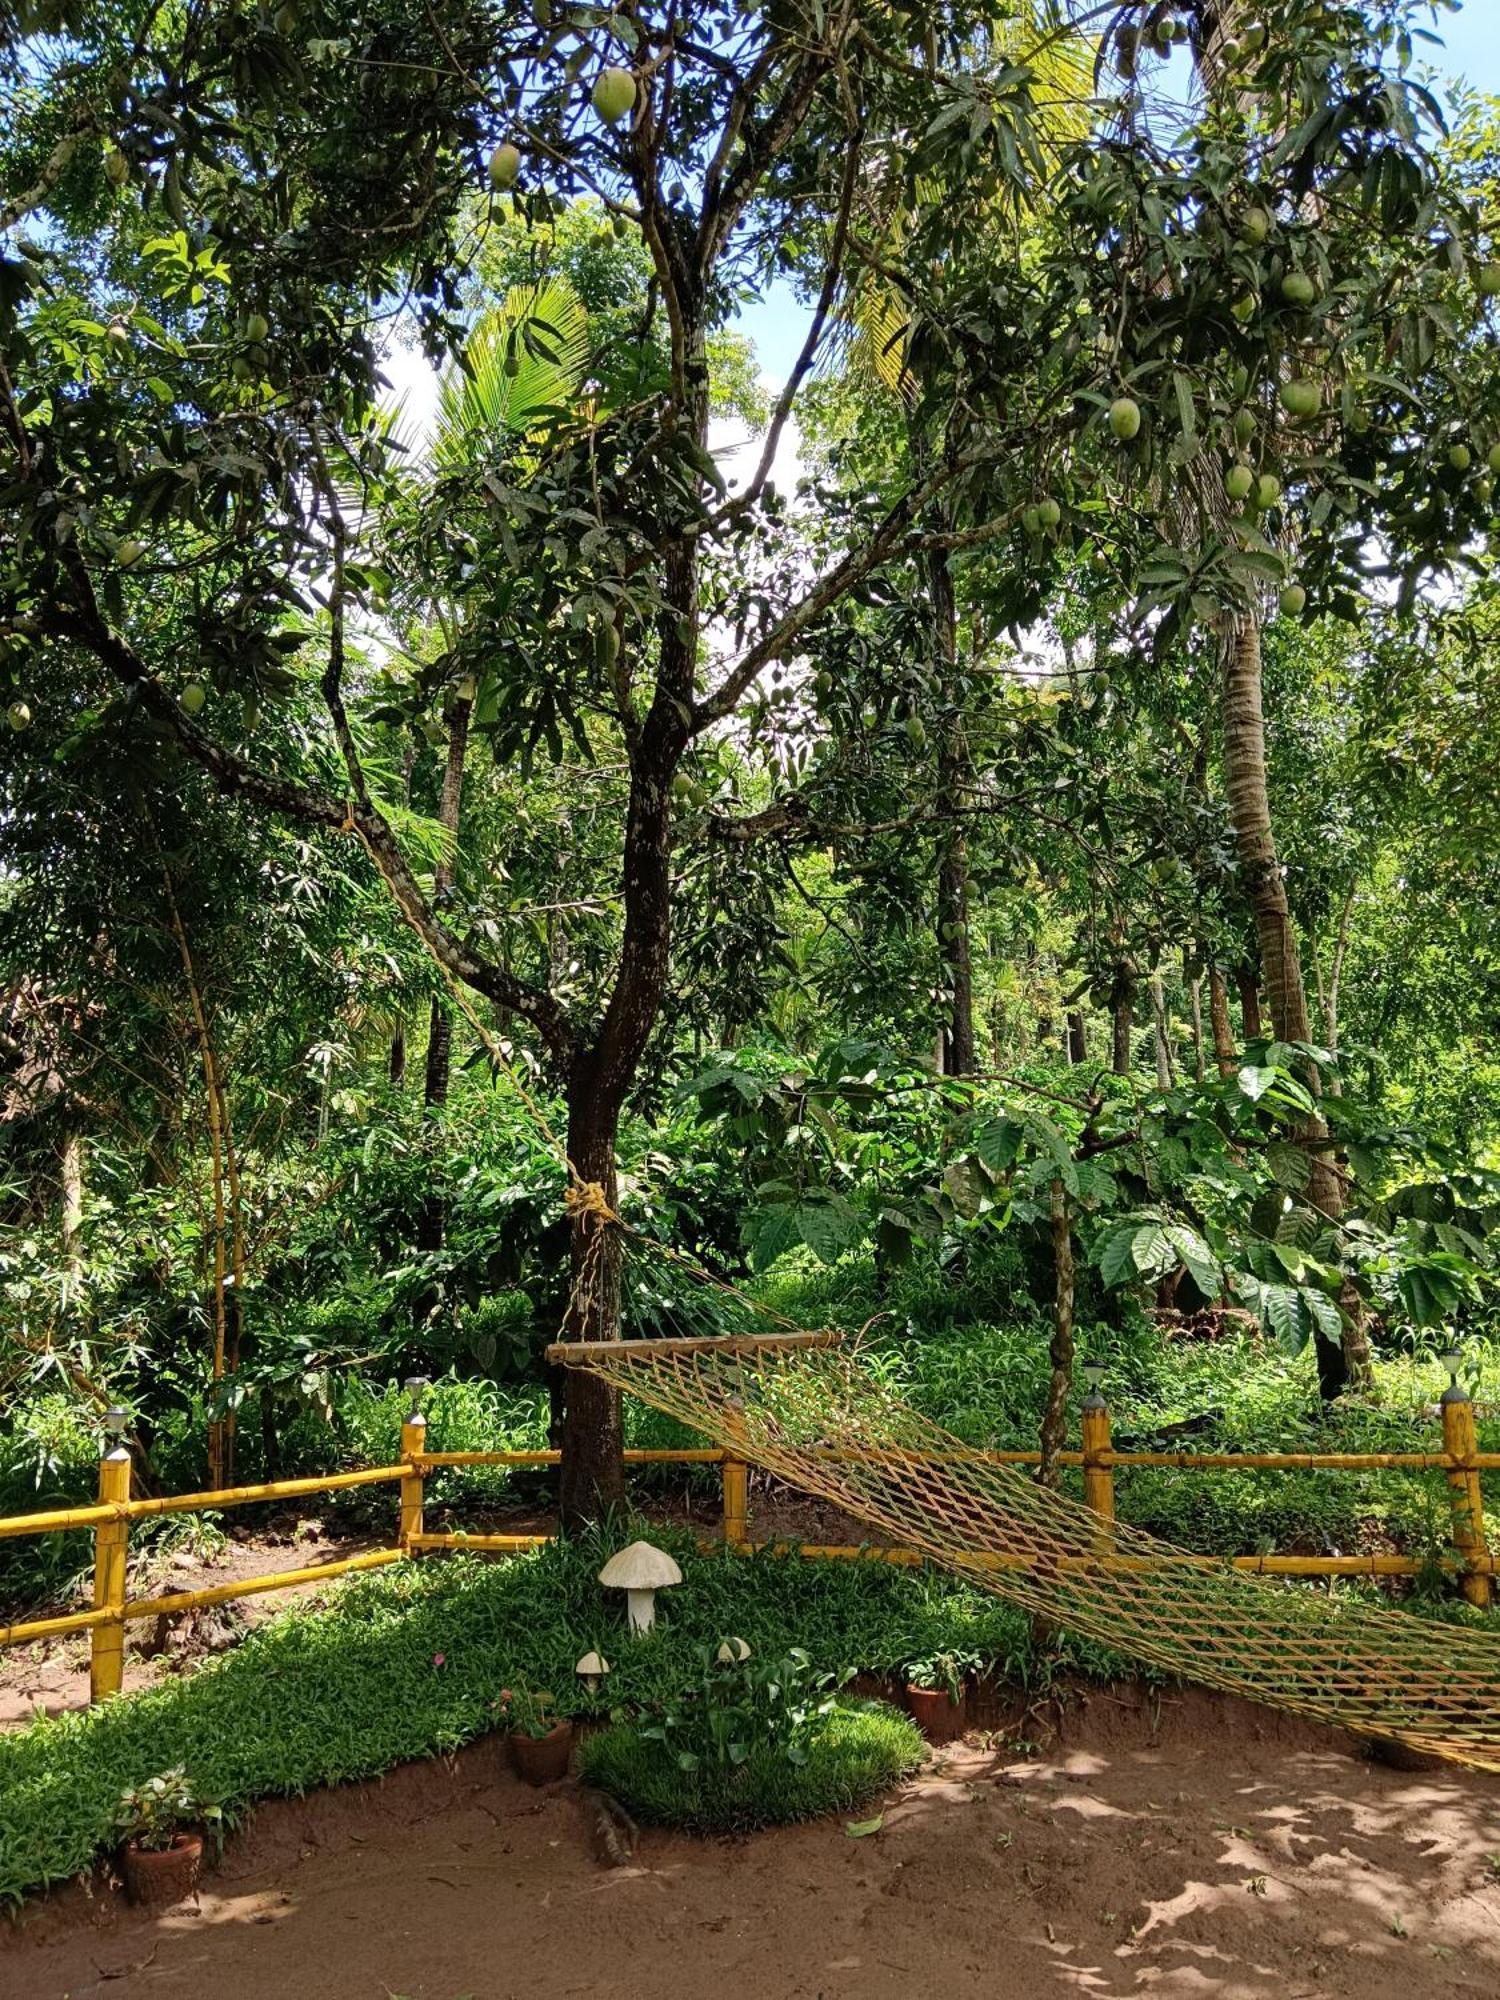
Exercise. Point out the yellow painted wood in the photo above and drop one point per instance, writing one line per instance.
(711, 1455)
(1460, 1461)
(736, 1482)
(1298, 1461)
(49, 1628)
(212, 1501)
(1098, 1473)
(413, 1439)
(478, 1543)
(111, 1552)
(58, 1520)
(254, 1586)
(1466, 1501)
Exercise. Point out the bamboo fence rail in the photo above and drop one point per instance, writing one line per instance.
(113, 1609)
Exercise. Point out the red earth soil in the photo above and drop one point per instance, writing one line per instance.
(1177, 1845)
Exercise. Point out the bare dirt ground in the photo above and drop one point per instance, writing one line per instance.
(1184, 1846)
(51, 1676)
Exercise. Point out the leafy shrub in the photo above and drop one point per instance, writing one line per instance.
(741, 1707)
(49, 1457)
(859, 1751)
(154, 1813)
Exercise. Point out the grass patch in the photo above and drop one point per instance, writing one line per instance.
(863, 1748)
(410, 1662)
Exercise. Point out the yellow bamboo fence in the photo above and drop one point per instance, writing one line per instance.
(112, 1610)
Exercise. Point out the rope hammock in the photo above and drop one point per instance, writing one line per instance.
(799, 1407)
(803, 1408)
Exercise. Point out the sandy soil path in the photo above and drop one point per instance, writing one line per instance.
(1190, 1847)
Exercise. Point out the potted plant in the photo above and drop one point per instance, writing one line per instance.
(161, 1824)
(540, 1744)
(936, 1696)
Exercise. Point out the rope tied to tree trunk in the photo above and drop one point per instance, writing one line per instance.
(582, 1197)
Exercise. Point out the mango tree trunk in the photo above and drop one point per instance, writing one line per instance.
(592, 1478)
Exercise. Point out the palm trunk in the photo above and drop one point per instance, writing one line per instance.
(433, 1222)
(1194, 984)
(958, 967)
(1054, 1434)
(1250, 814)
(1166, 1076)
(71, 1167)
(954, 777)
(1247, 984)
(450, 809)
(237, 1262)
(1331, 995)
(214, 1103)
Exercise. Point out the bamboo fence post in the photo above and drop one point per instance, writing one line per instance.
(1466, 1501)
(1098, 1473)
(736, 1502)
(111, 1549)
(413, 1444)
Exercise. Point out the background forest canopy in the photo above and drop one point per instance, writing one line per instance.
(1027, 877)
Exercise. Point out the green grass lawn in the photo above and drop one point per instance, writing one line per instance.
(411, 1662)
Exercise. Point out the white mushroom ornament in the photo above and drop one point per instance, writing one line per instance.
(591, 1669)
(640, 1571)
(733, 1653)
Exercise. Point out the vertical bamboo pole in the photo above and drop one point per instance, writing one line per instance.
(1098, 1478)
(111, 1539)
(217, 1430)
(413, 1444)
(1466, 1501)
(736, 1503)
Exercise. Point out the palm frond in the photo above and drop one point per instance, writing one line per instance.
(523, 360)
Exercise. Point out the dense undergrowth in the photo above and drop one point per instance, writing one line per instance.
(411, 1663)
(972, 1355)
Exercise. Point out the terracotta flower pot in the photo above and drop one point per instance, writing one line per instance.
(542, 1760)
(939, 1717)
(158, 1877)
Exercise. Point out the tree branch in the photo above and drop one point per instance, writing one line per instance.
(308, 805)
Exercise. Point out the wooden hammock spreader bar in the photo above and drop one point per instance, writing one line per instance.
(585, 1353)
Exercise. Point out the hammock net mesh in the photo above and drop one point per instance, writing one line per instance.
(812, 1413)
